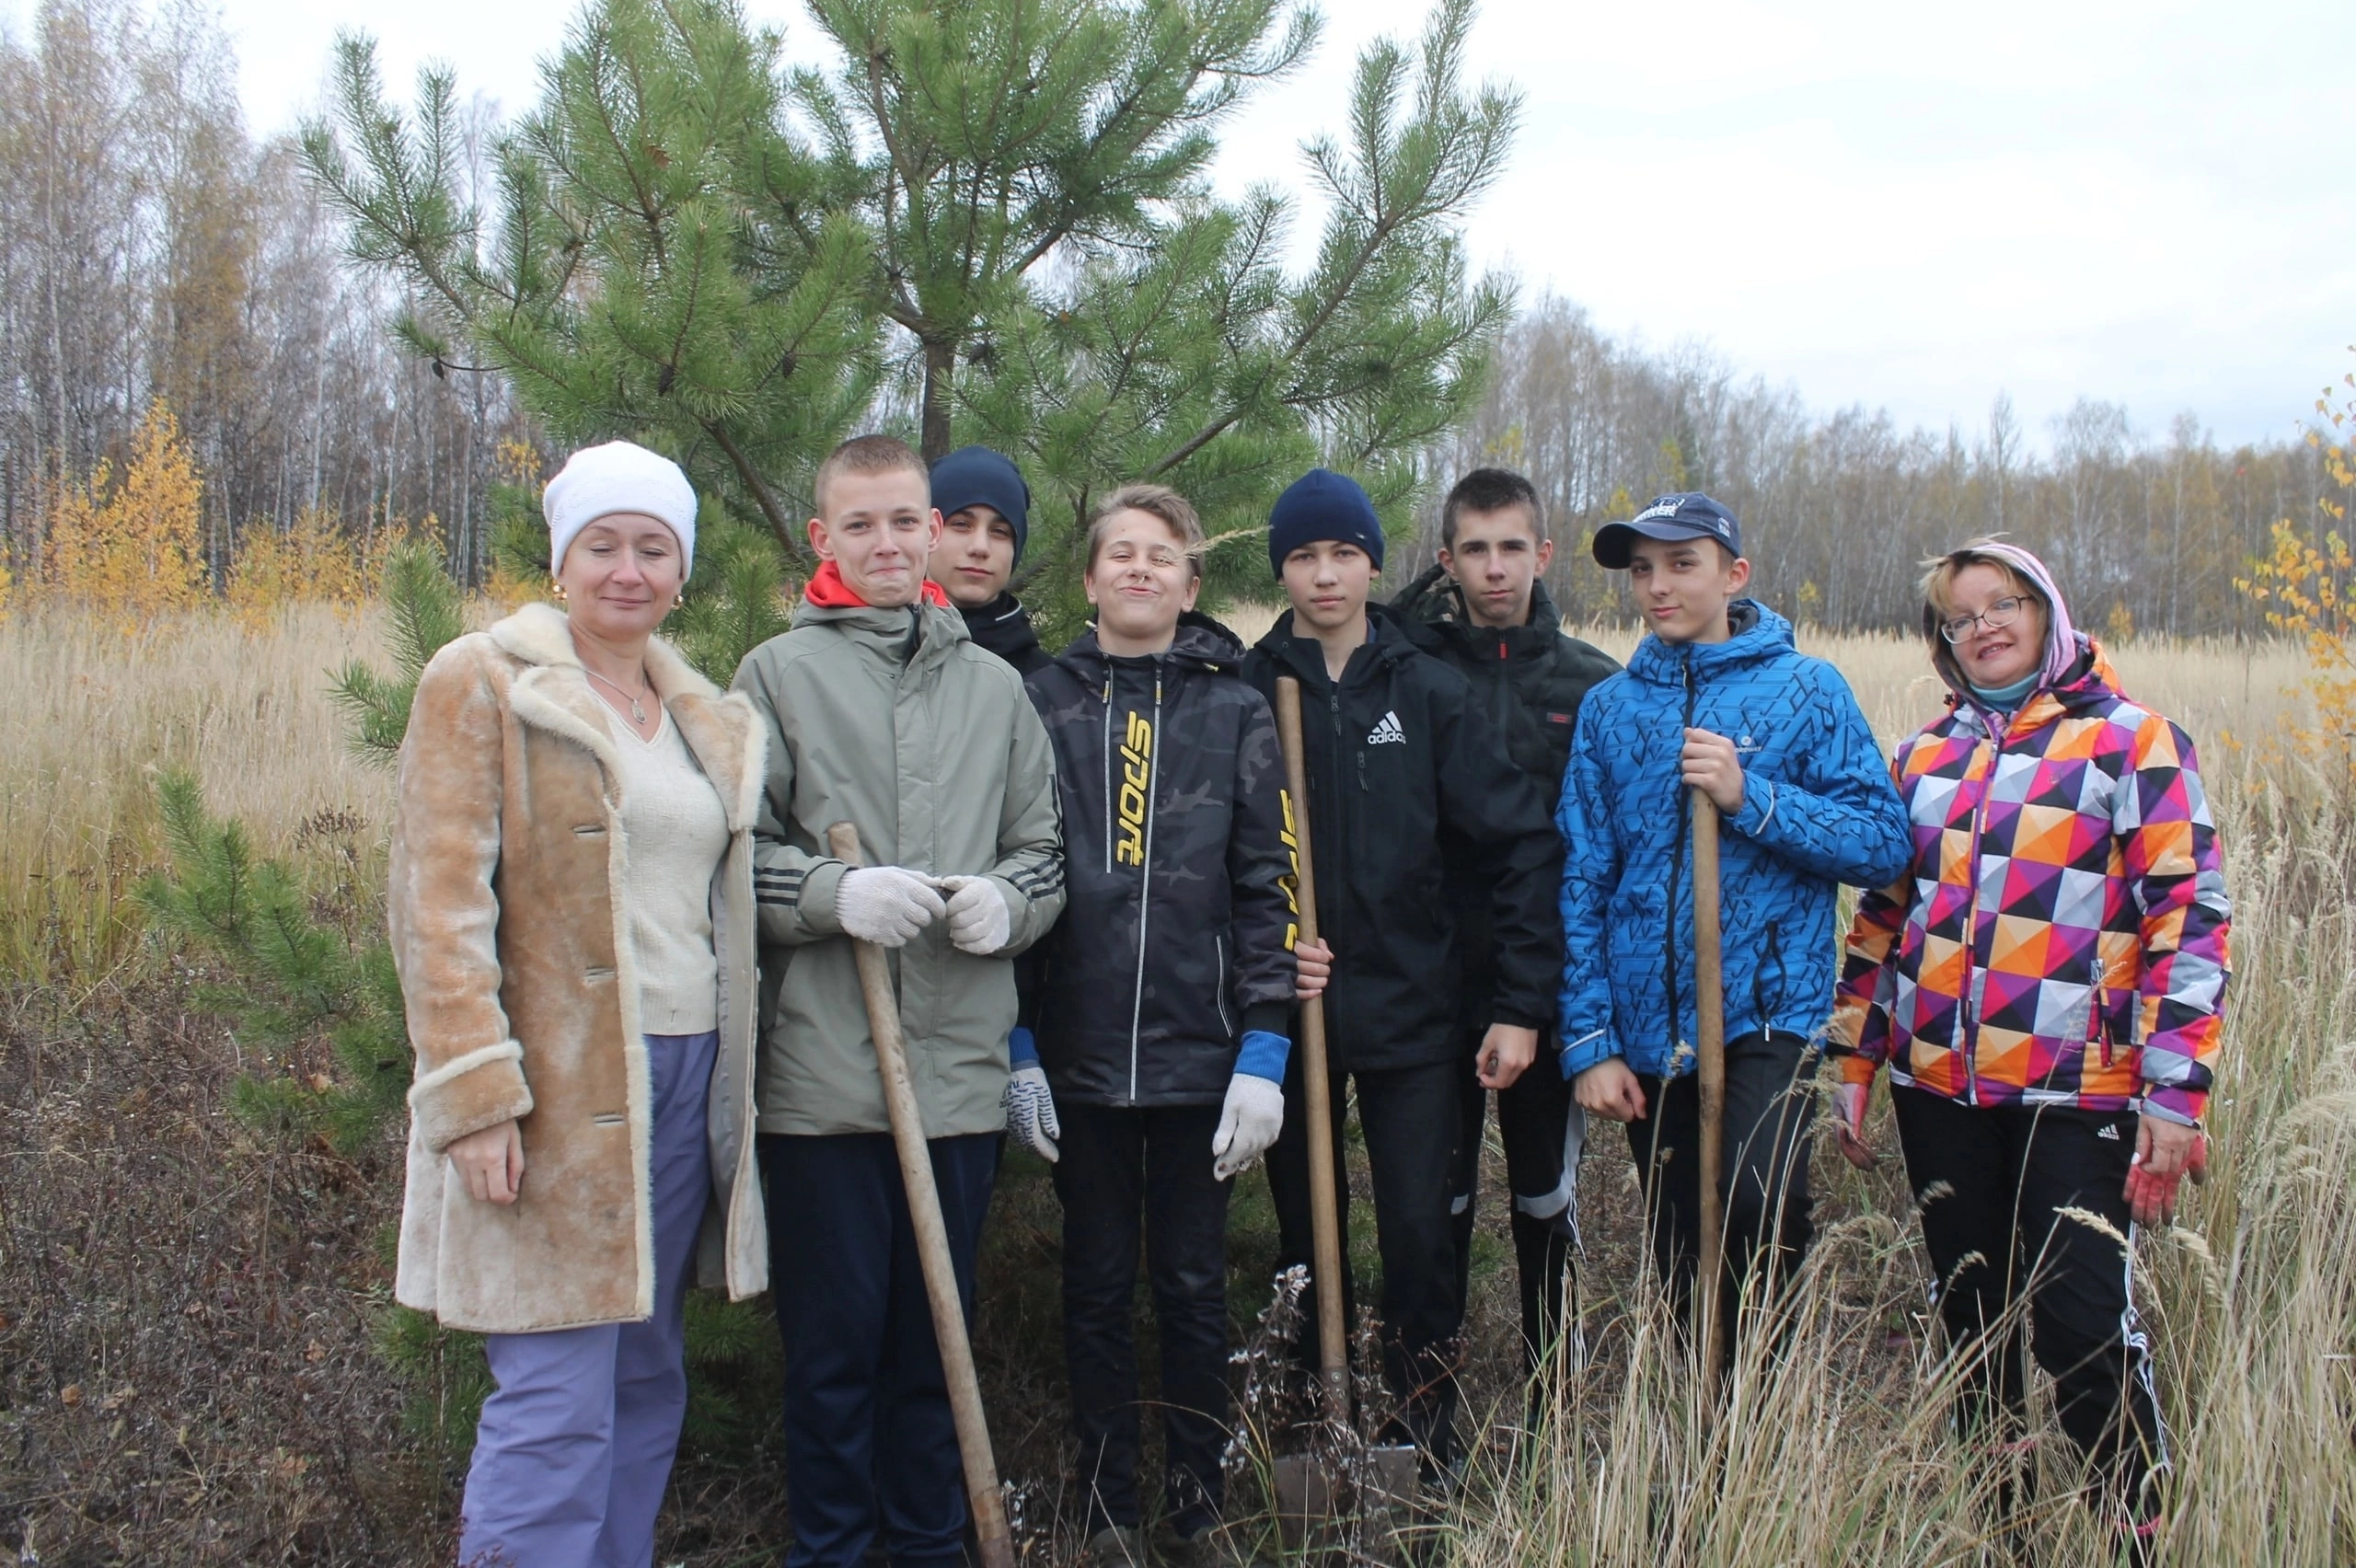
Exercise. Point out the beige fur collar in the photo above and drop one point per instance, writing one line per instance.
(539, 634)
(724, 732)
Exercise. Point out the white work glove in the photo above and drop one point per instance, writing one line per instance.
(979, 921)
(1255, 1112)
(1248, 1125)
(886, 905)
(1030, 1108)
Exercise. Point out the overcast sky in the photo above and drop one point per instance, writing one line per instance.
(1893, 206)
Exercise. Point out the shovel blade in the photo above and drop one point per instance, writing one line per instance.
(1316, 1503)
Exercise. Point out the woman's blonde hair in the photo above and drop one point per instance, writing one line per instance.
(1939, 574)
(1154, 501)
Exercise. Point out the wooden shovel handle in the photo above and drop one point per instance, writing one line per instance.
(1324, 1210)
(932, 1236)
(1709, 1006)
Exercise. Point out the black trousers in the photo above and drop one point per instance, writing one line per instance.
(1411, 1125)
(1128, 1174)
(1770, 1099)
(1541, 1169)
(869, 1438)
(1991, 1183)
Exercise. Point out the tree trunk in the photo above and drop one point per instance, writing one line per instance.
(940, 365)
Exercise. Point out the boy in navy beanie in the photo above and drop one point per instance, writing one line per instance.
(1398, 752)
(985, 521)
(1323, 504)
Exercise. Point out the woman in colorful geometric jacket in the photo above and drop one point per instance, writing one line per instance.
(2046, 985)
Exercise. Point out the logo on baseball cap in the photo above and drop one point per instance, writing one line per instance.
(1681, 515)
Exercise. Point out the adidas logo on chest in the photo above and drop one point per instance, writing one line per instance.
(1388, 733)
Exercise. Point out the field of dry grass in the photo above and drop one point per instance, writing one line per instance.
(94, 713)
(208, 1301)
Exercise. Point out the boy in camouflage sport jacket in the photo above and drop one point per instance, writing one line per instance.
(1715, 697)
(1160, 1002)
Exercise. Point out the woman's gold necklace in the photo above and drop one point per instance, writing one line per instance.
(637, 713)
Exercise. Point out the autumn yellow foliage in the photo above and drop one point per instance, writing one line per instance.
(314, 562)
(2307, 582)
(134, 550)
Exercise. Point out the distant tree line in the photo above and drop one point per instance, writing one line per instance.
(2148, 529)
(153, 252)
(1122, 321)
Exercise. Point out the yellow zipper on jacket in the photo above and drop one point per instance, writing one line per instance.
(1145, 880)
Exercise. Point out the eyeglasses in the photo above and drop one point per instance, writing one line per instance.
(1995, 617)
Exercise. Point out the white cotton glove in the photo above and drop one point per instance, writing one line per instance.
(886, 905)
(979, 921)
(1030, 1108)
(1248, 1125)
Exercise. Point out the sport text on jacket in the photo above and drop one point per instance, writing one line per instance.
(1177, 934)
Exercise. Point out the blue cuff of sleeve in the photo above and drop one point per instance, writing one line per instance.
(1264, 1055)
(1021, 1049)
(1756, 814)
(1582, 1051)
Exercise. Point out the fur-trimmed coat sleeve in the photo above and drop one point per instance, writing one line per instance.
(443, 912)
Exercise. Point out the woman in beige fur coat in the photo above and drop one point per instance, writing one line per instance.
(572, 908)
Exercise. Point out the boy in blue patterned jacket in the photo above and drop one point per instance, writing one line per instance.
(1715, 698)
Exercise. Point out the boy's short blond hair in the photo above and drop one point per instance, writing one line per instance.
(867, 455)
(1155, 501)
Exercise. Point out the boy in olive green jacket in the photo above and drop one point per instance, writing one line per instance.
(883, 714)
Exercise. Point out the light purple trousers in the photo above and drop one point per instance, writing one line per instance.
(574, 1448)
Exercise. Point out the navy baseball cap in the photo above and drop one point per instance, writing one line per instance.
(1681, 515)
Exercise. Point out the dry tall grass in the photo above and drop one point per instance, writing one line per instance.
(2214, 688)
(1828, 1456)
(1839, 1453)
(93, 713)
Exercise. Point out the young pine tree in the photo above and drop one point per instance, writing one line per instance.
(665, 259)
(1009, 202)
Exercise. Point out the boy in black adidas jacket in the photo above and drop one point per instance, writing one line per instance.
(1160, 1002)
(1398, 750)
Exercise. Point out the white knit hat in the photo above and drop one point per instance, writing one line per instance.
(620, 476)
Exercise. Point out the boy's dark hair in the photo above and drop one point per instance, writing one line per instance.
(1155, 501)
(867, 455)
(1490, 489)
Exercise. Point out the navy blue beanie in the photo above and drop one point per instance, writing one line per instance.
(976, 476)
(1323, 504)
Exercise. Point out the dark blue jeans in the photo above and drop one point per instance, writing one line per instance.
(869, 1443)
(1129, 1174)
